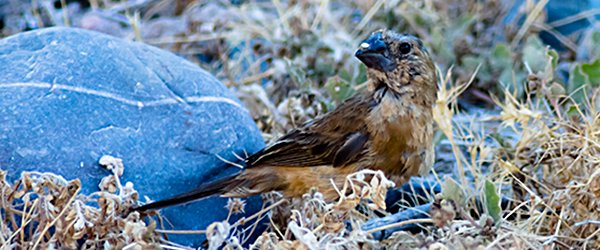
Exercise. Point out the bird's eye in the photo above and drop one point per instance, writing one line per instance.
(405, 48)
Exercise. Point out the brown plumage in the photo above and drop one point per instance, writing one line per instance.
(388, 127)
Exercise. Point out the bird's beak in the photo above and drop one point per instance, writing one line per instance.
(373, 52)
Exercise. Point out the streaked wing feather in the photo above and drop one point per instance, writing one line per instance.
(324, 141)
(304, 150)
(352, 148)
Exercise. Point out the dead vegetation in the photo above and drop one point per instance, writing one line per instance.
(516, 129)
(45, 211)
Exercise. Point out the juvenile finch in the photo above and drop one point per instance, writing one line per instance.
(387, 127)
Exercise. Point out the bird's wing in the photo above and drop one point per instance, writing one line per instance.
(338, 138)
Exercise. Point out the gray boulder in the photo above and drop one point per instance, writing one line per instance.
(69, 96)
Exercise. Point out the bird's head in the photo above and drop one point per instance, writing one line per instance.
(398, 62)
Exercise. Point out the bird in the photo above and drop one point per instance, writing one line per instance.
(388, 126)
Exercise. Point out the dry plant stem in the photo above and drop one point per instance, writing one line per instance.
(164, 231)
(9, 213)
(29, 219)
(256, 67)
(402, 223)
(557, 230)
(318, 228)
(563, 39)
(282, 18)
(535, 12)
(455, 148)
(589, 238)
(498, 240)
(20, 230)
(574, 18)
(173, 245)
(35, 10)
(2, 240)
(445, 114)
(367, 17)
(94, 4)
(254, 226)
(243, 220)
(225, 59)
(240, 166)
(261, 95)
(363, 216)
(175, 248)
(24, 219)
(276, 228)
(420, 31)
(130, 246)
(135, 25)
(322, 9)
(62, 212)
(254, 78)
(63, 4)
(188, 39)
(546, 206)
(229, 214)
(514, 210)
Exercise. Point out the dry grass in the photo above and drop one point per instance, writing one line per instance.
(45, 211)
(536, 144)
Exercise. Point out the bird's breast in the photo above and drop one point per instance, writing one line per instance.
(401, 133)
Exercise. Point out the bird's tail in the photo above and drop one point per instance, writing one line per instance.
(217, 187)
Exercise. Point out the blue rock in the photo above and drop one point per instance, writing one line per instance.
(69, 96)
